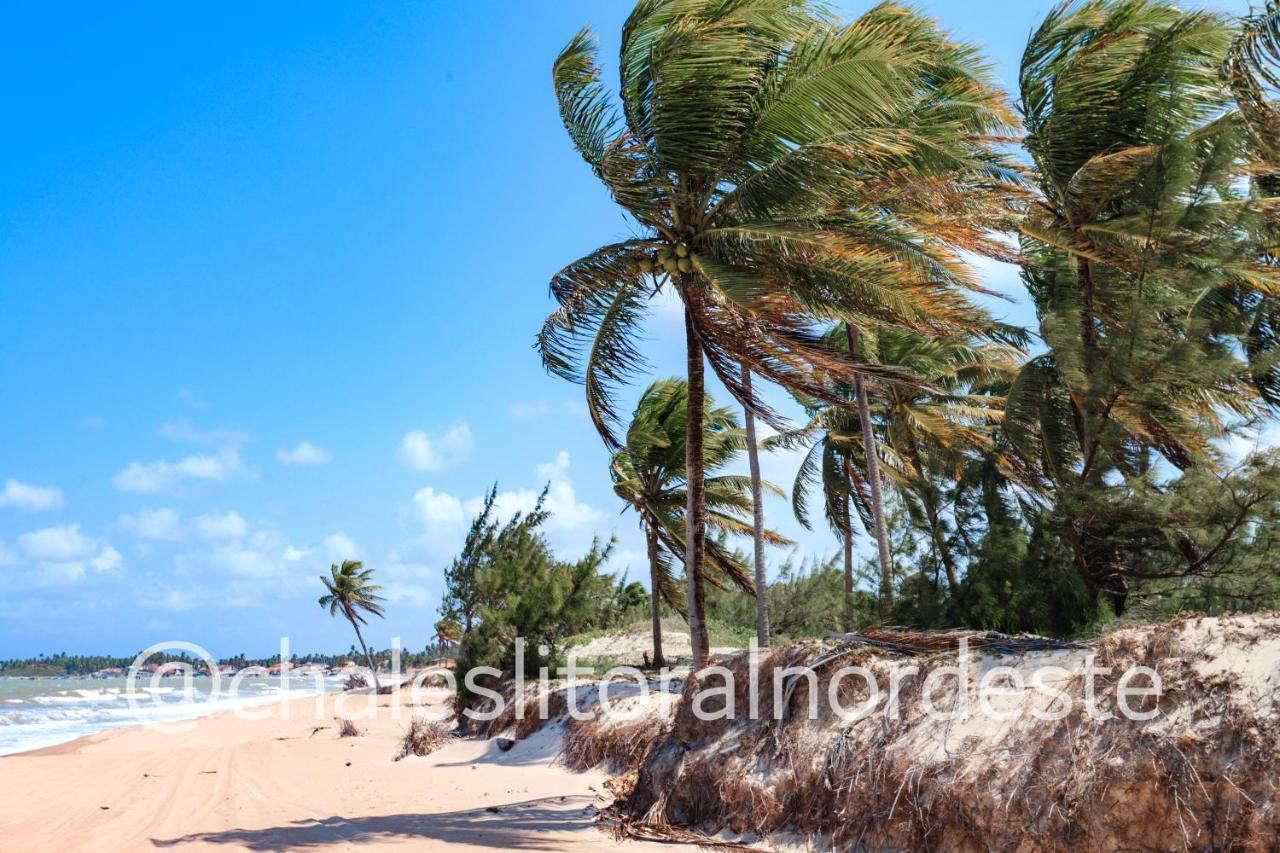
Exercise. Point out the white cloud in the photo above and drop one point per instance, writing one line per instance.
(106, 560)
(423, 452)
(227, 525)
(164, 524)
(439, 510)
(183, 430)
(172, 599)
(168, 477)
(57, 543)
(405, 582)
(524, 409)
(338, 547)
(305, 453)
(444, 518)
(64, 555)
(26, 496)
(251, 571)
(293, 555)
(567, 512)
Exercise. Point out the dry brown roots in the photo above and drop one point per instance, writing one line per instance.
(1073, 784)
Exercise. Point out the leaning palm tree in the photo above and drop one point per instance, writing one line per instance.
(649, 475)
(448, 632)
(1147, 259)
(776, 166)
(834, 464)
(934, 429)
(351, 591)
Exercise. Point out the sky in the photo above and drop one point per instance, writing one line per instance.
(270, 276)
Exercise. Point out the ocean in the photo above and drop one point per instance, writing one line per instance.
(39, 712)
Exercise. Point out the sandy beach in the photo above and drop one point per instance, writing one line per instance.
(275, 784)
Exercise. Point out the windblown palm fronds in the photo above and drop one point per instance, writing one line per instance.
(350, 590)
(649, 475)
(780, 168)
(1145, 257)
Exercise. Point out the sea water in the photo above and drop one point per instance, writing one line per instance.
(39, 712)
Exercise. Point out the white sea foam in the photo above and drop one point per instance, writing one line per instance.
(48, 712)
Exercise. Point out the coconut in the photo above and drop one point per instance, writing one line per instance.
(682, 250)
(646, 265)
(684, 265)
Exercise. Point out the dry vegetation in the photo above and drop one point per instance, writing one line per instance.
(619, 747)
(423, 737)
(346, 728)
(1201, 775)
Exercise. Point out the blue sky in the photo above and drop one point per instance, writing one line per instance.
(269, 280)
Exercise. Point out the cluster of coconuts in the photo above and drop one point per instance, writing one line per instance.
(674, 260)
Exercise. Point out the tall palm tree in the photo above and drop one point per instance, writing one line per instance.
(934, 429)
(834, 462)
(875, 489)
(776, 166)
(921, 431)
(351, 591)
(1146, 257)
(649, 474)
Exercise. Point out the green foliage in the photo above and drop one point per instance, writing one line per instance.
(1147, 262)
(518, 588)
(804, 601)
(804, 166)
(648, 474)
(787, 174)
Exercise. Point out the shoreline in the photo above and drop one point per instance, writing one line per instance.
(71, 717)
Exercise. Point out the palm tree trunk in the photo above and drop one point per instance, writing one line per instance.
(931, 510)
(368, 658)
(873, 474)
(695, 520)
(757, 516)
(655, 582)
(846, 611)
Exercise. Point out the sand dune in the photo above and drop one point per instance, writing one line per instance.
(272, 784)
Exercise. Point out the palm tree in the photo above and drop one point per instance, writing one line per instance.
(834, 462)
(448, 632)
(932, 430)
(351, 591)
(921, 430)
(649, 475)
(1147, 262)
(776, 166)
